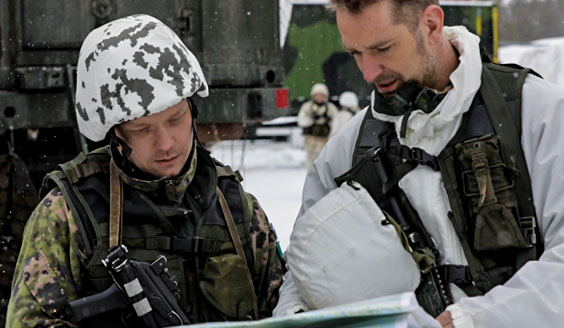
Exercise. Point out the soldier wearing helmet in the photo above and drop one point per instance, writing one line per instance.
(135, 81)
(315, 117)
(349, 107)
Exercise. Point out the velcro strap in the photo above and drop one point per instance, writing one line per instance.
(481, 170)
(456, 274)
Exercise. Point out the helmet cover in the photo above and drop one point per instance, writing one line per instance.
(319, 88)
(132, 67)
(348, 99)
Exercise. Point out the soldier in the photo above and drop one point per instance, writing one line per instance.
(349, 107)
(135, 81)
(464, 154)
(315, 118)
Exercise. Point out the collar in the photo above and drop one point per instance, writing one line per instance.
(173, 187)
(432, 130)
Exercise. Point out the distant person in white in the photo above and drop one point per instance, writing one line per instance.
(315, 117)
(349, 107)
(403, 45)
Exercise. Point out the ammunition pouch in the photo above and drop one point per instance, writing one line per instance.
(147, 288)
(229, 302)
(317, 130)
(489, 194)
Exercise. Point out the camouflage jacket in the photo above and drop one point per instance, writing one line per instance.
(52, 264)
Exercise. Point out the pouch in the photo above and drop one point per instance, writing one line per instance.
(489, 194)
(226, 286)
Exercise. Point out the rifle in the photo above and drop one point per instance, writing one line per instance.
(432, 293)
(147, 287)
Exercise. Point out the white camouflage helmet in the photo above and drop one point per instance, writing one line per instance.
(132, 67)
(348, 99)
(319, 88)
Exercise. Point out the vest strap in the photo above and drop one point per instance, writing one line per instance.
(116, 203)
(512, 151)
(455, 274)
(237, 243)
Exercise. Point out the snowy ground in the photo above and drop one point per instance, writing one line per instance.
(274, 172)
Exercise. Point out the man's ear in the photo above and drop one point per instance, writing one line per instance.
(432, 19)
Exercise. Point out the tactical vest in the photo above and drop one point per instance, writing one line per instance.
(194, 237)
(320, 130)
(485, 176)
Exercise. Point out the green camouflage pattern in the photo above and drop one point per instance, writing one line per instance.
(268, 264)
(49, 267)
(53, 260)
(313, 50)
(313, 53)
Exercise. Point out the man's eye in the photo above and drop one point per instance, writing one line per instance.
(142, 130)
(384, 49)
(176, 120)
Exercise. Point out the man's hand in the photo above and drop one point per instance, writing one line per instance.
(445, 320)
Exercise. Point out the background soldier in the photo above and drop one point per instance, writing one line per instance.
(134, 85)
(315, 118)
(348, 102)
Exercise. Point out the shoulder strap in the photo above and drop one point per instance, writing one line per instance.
(510, 138)
(237, 243)
(116, 202)
(369, 135)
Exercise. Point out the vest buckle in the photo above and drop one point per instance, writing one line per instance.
(528, 226)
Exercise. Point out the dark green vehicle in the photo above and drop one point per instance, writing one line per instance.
(313, 51)
(237, 43)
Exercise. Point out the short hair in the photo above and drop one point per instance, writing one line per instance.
(404, 11)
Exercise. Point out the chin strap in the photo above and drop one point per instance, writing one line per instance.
(194, 111)
(116, 141)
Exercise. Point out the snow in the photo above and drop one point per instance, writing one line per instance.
(544, 56)
(274, 172)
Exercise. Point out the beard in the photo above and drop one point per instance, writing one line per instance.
(428, 77)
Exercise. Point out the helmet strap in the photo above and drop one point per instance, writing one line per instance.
(194, 111)
(116, 141)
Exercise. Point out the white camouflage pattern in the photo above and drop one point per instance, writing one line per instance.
(129, 68)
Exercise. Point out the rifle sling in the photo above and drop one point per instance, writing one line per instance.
(116, 203)
(236, 242)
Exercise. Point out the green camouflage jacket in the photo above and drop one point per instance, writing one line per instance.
(52, 261)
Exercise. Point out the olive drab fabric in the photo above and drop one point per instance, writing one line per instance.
(494, 218)
(192, 234)
(18, 198)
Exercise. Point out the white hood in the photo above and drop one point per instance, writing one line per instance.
(433, 131)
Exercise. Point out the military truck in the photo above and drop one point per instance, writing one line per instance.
(313, 51)
(237, 43)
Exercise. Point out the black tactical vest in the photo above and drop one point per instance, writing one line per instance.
(486, 178)
(193, 236)
(320, 130)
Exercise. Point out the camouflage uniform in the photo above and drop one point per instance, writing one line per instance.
(51, 267)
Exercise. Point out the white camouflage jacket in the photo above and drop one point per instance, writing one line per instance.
(533, 297)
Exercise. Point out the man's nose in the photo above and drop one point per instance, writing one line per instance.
(164, 139)
(371, 68)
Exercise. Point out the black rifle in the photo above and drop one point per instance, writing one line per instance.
(432, 293)
(147, 287)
